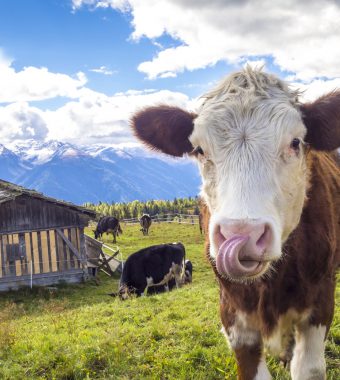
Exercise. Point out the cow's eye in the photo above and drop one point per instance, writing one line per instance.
(295, 144)
(198, 150)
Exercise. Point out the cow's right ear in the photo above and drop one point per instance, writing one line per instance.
(164, 128)
(322, 119)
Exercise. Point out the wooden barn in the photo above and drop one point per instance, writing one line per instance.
(41, 239)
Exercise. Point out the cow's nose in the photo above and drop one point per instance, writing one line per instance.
(242, 247)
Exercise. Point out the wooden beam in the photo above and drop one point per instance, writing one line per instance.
(115, 253)
(72, 248)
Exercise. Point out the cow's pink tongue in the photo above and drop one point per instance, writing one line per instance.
(228, 258)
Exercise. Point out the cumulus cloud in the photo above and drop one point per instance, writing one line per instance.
(19, 121)
(93, 118)
(32, 83)
(300, 38)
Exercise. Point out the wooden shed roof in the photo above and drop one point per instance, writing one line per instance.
(10, 191)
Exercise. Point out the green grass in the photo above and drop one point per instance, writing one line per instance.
(79, 332)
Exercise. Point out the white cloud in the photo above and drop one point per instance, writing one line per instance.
(301, 38)
(19, 121)
(316, 88)
(32, 83)
(93, 118)
(103, 70)
(116, 4)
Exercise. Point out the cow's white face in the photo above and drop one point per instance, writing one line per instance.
(248, 138)
(250, 152)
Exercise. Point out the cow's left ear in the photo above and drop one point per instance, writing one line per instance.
(322, 119)
(164, 128)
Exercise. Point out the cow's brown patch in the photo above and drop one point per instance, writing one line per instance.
(248, 359)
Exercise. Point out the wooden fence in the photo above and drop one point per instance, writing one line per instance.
(168, 218)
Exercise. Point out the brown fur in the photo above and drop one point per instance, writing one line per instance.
(322, 119)
(148, 126)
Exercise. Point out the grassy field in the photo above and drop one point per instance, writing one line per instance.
(79, 332)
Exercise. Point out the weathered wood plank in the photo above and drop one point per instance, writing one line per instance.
(67, 249)
(82, 244)
(73, 238)
(36, 263)
(23, 255)
(10, 255)
(27, 213)
(40, 252)
(4, 253)
(61, 253)
(17, 261)
(44, 252)
(13, 282)
(28, 251)
(53, 250)
(1, 258)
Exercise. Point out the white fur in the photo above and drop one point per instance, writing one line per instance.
(262, 371)
(308, 361)
(249, 171)
(241, 333)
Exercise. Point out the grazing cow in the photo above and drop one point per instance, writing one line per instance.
(145, 222)
(271, 189)
(152, 266)
(108, 224)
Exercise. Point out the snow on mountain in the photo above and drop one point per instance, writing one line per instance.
(11, 166)
(98, 172)
(35, 152)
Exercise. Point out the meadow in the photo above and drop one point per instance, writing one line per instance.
(79, 332)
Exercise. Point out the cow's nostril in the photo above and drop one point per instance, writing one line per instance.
(265, 238)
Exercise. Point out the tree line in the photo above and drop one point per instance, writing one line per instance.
(136, 208)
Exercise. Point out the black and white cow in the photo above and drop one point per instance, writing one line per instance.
(145, 222)
(108, 224)
(152, 267)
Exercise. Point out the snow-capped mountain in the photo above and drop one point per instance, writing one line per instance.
(97, 173)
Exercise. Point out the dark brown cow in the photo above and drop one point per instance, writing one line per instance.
(271, 189)
(145, 222)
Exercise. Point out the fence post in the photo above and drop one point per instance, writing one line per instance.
(31, 274)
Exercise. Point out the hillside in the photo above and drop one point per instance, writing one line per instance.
(79, 332)
(97, 173)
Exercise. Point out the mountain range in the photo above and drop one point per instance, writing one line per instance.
(96, 173)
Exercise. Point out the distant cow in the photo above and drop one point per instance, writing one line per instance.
(145, 222)
(152, 266)
(108, 224)
(271, 189)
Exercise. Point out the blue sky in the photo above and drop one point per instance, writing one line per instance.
(49, 33)
(75, 70)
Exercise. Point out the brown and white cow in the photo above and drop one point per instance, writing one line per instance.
(272, 194)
